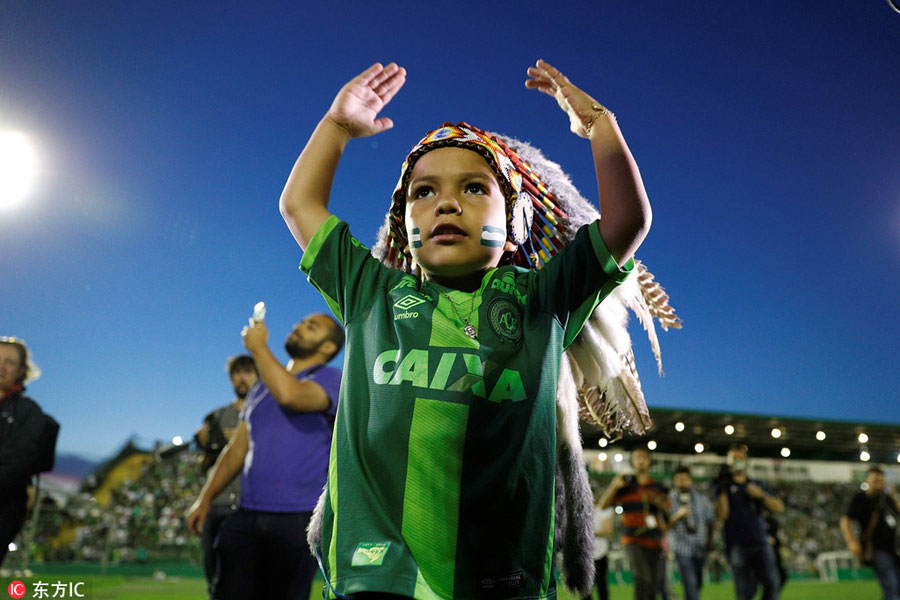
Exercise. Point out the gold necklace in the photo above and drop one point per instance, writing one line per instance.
(468, 328)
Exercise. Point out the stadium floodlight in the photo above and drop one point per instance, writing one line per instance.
(18, 165)
(898, 457)
(820, 435)
(651, 445)
(619, 457)
(729, 429)
(602, 456)
(603, 442)
(776, 432)
(679, 426)
(699, 447)
(177, 440)
(863, 438)
(785, 452)
(619, 510)
(865, 456)
(12, 547)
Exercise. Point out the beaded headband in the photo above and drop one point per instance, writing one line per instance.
(533, 215)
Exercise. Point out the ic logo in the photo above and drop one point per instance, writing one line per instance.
(16, 589)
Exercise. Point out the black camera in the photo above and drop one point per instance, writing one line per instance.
(724, 478)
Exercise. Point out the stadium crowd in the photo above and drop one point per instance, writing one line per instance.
(145, 518)
(809, 523)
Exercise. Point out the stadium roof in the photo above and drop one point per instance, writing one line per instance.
(841, 441)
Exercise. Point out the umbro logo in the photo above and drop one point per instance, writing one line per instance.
(408, 301)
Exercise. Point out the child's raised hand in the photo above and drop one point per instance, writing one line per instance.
(357, 105)
(581, 108)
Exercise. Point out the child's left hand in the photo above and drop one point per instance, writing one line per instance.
(582, 109)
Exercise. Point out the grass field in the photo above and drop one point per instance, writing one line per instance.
(193, 588)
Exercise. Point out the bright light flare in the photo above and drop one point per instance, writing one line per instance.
(18, 163)
(651, 445)
(863, 438)
(679, 426)
(865, 456)
(699, 448)
(603, 442)
(785, 452)
(177, 440)
(776, 433)
(820, 435)
(729, 429)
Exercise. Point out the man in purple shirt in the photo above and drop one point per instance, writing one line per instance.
(281, 447)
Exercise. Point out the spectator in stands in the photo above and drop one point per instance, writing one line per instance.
(739, 504)
(287, 422)
(21, 429)
(603, 527)
(644, 504)
(875, 513)
(217, 429)
(690, 533)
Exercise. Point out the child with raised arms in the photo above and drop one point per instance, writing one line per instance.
(441, 477)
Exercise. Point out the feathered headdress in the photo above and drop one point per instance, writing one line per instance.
(598, 380)
(544, 210)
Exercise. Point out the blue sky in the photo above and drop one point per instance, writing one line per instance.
(767, 134)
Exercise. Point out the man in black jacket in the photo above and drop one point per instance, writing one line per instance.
(21, 428)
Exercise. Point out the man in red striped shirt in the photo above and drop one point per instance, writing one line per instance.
(644, 503)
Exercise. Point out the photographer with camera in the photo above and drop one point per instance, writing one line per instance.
(217, 430)
(739, 504)
(875, 513)
(691, 528)
(644, 503)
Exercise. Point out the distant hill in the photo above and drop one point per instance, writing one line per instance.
(74, 465)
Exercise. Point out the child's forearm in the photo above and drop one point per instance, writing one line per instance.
(624, 208)
(304, 200)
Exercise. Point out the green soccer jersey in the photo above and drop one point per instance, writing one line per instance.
(441, 478)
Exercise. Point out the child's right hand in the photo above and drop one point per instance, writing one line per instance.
(357, 105)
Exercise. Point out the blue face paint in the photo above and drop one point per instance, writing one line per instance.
(416, 238)
(492, 236)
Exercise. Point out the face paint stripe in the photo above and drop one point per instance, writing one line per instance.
(492, 236)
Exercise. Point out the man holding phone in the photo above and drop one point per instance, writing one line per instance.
(281, 447)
